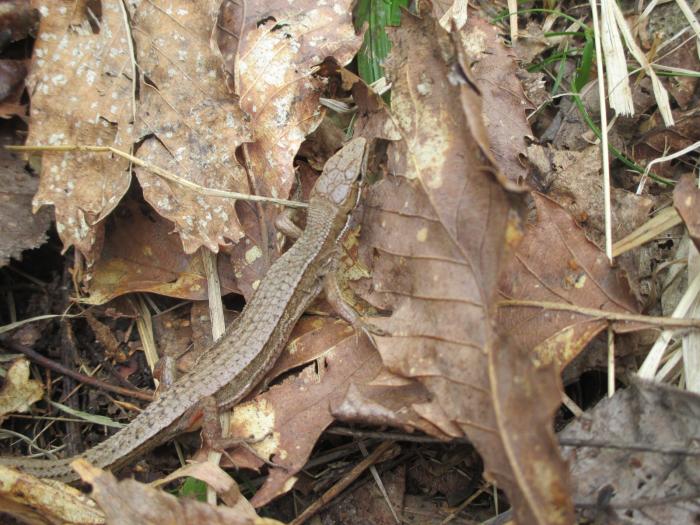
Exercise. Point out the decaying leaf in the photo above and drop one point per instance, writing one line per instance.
(556, 263)
(296, 412)
(190, 124)
(19, 392)
(79, 86)
(493, 70)
(433, 233)
(21, 230)
(129, 501)
(686, 200)
(165, 99)
(574, 180)
(271, 52)
(44, 501)
(629, 485)
(141, 254)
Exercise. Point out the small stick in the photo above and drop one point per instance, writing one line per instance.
(160, 172)
(48, 363)
(343, 483)
(670, 322)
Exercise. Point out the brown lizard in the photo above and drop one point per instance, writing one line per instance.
(250, 346)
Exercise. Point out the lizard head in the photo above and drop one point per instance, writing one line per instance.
(338, 182)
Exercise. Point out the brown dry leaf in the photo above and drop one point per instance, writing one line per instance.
(21, 230)
(434, 233)
(556, 263)
(574, 180)
(171, 98)
(45, 501)
(17, 20)
(88, 89)
(12, 75)
(130, 502)
(191, 123)
(619, 485)
(79, 88)
(686, 197)
(141, 254)
(18, 391)
(271, 51)
(298, 410)
(494, 71)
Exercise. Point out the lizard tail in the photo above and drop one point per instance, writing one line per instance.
(59, 469)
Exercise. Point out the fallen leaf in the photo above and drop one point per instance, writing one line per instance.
(45, 501)
(78, 89)
(141, 254)
(685, 199)
(493, 70)
(21, 229)
(190, 124)
(18, 391)
(555, 262)
(629, 485)
(298, 410)
(126, 502)
(271, 52)
(574, 180)
(434, 232)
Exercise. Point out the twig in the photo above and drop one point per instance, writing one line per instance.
(623, 445)
(336, 489)
(395, 436)
(669, 322)
(160, 172)
(48, 363)
(638, 503)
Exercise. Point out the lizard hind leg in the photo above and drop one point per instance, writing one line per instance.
(212, 434)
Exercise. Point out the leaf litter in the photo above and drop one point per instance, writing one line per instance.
(224, 95)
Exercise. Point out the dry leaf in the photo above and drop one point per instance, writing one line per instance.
(493, 70)
(141, 254)
(44, 501)
(191, 125)
(298, 410)
(632, 486)
(434, 233)
(126, 502)
(18, 391)
(574, 180)
(21, 229)
(685, 199)
(271, 51)
(78, 86)
(556, 263)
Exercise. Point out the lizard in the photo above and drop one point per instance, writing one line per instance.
(250, 346)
